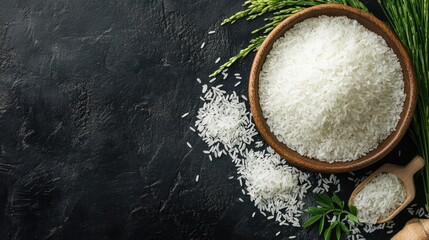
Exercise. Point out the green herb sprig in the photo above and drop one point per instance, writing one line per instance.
(278, 11)
(331, 208)
(410, 21)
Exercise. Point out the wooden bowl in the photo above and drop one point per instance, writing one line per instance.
(371, 23)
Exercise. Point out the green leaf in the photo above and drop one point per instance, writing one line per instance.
(316, 210)
(325, 200)
(324, 205)
(327, 234)
(353, 209)
(330, 207)
(353, 218)
(344, 228)
(338, 232)
(321, 225)
(328, 231)
(311, 221)
(337, 200)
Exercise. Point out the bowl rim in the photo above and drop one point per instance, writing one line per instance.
(410, 89)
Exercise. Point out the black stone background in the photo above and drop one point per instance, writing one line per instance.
(92, 145)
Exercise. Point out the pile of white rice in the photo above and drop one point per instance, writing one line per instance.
(224, 123)
(379, 198)
(274, 187)
(330, 89)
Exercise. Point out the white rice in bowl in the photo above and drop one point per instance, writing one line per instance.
(330, 89)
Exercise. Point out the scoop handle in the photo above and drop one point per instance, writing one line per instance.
(415, 229)
(415, 165)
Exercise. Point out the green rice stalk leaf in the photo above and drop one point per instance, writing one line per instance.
(253, 47)
(410, 21)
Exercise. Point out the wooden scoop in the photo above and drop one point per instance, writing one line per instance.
(404, 173)
(415, 229)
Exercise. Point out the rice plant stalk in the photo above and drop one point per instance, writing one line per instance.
(410, 21)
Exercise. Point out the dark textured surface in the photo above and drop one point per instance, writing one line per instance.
(92, 145)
